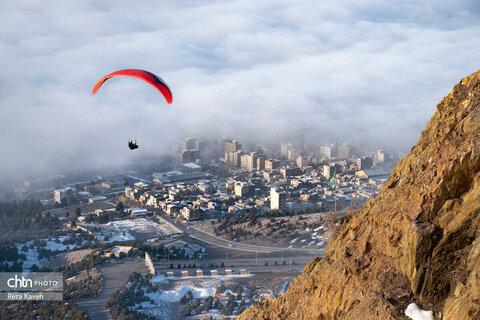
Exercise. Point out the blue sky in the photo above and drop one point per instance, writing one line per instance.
(368, 72)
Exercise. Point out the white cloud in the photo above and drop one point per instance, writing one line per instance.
(367, 72)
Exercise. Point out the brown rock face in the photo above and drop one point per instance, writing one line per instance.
(417, 241)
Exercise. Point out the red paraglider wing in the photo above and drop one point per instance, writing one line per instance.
(146, 76)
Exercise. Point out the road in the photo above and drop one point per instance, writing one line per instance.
(115, 274)
(114, 277)
(217, 241)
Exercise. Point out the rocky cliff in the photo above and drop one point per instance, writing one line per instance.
(417, 241)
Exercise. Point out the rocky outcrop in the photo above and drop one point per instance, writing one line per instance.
(417, 241)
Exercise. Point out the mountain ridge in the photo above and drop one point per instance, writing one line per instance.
(417, 241)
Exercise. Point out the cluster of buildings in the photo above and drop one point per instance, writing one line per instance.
(97, 190)
(218, 180)
(259, 182)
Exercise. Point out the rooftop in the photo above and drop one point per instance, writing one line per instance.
(176, 176)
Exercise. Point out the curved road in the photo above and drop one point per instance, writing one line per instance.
(115, 274)
(217, 241)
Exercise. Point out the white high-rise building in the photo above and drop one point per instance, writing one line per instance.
(329, 170)
(190, 144)
(326, 152)
(292, 154)
(343, 151)
(302, 162)
(381, 155)
(278, 199)
(284, 148)
(232, 146)
(249, 161)
(326, 171)
(59, 194)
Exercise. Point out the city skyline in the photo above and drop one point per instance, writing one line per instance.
(367, 71)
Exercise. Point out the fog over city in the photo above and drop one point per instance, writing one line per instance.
(365, 72)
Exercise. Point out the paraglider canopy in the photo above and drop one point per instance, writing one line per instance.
(146, 76)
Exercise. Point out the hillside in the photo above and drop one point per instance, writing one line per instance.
(302, 231)
(417, 241)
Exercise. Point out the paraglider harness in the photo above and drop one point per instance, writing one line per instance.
(132, 145)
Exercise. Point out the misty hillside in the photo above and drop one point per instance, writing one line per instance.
(417, 241)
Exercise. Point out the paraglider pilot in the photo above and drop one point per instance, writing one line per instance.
(132, 145)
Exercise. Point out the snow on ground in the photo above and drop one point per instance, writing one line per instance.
(177, 294)
(142, 225)
(201, 287)
(159, 279)
(53, 245)
(121, 230)
(190, 248)
(32, 256)
(108, 233)
(314, 238)
(415, 313)
(111, 234)
(164, 310)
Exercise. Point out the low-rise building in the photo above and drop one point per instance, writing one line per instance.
(172, 177)
(97, 199)
(191, 213)
(110, 185)
(243, 189)
(120, 251)
(59, 194)
(173, 209)
(138, 212)
(271, 164)
(190, 167)
(291, 172)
